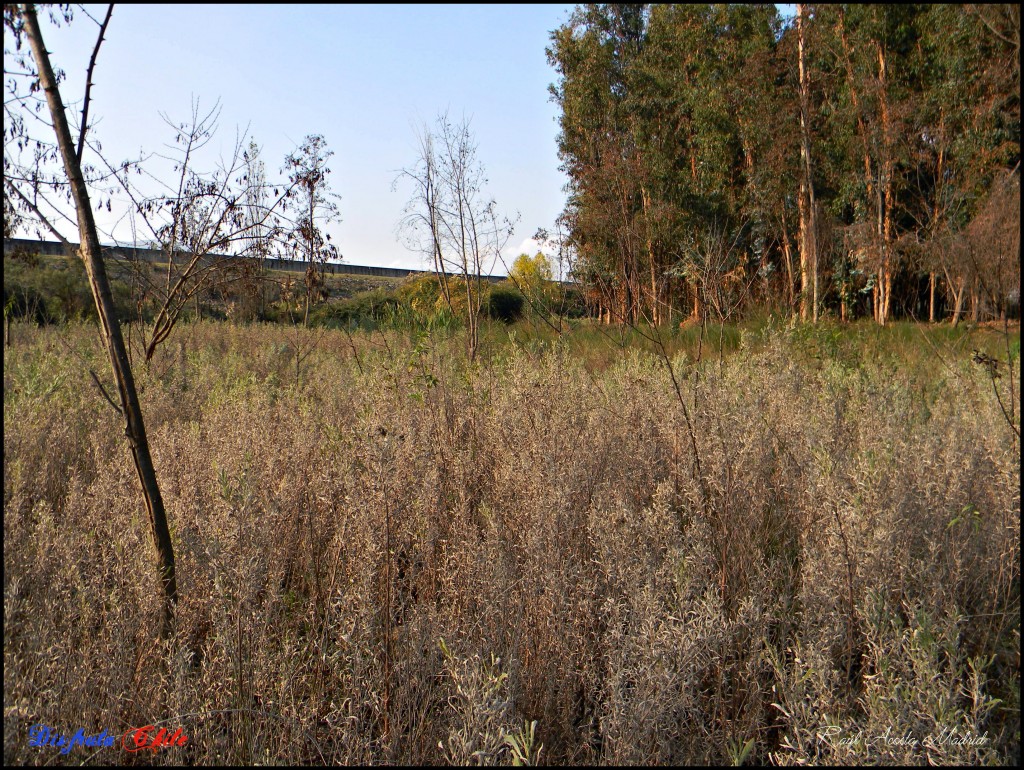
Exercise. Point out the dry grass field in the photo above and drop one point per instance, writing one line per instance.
(386, 555)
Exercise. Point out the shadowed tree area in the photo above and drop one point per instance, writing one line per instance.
(838, 157)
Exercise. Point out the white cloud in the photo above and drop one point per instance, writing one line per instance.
(531, 247)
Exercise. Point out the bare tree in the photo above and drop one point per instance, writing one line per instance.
(315, 206)
(721, 274)
(201, 221)
(450, 217)
(21, 21)
(420, 222)
(259, 242)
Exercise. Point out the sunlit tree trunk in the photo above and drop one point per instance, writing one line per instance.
(787, 252)
(931, 297)
(110, 328)
(886, 191)
(804, 255)
(808, 228)
(957, 289)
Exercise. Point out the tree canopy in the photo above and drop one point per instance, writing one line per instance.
(681, 137)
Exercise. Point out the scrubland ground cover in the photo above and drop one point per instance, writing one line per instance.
(388, 555)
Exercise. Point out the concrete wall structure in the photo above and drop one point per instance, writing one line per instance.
(56, 249)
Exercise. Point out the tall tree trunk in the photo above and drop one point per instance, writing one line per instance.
(787, 252)
(655, 289)
(885, 223)
(808, 223)
(957, 288)
(310, 256)
(936, 208)
(887, 293)
(472, 317)
(263, 285)
(135, 429)
(804, 261)
(880, 300)
(655, 313)
(931, 297)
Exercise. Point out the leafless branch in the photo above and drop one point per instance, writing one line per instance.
(88, 83)
(104, 393)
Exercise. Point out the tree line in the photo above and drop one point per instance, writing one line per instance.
(856, 160)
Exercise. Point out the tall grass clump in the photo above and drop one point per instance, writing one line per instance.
(386, 554)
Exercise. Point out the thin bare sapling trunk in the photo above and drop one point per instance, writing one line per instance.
(135, 429)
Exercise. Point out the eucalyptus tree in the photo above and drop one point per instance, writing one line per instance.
(594, 54)
(766, 93)
(662, 136)
(967, 138)
(872, 135)
(808, 206)
(873, 65)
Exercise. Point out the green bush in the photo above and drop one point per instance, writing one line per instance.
(420, 292)
(366, 309)
(48, 292)
(57, 290)
(504, 304)
(25, 303)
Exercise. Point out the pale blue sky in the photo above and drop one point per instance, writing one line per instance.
(363, 76)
